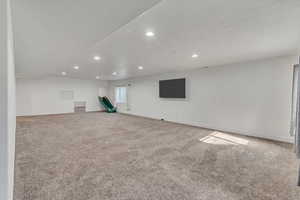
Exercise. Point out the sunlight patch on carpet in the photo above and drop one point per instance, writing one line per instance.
(220, 138)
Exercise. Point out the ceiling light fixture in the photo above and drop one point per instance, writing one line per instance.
(97, 58)
(140, 67)
(149, 34)
(114, 73)
(76, 67)
(64, 73)
(195, 56)
(97, 77)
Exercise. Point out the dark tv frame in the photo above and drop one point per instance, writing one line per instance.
(172, 97)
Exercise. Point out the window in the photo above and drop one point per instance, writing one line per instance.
(295, 93)
(67, 94)
(120, 94)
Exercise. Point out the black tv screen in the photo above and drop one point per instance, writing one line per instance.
(174, 88)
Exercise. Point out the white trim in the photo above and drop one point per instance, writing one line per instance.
(236, 131)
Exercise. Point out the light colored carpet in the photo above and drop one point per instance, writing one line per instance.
(100, 156)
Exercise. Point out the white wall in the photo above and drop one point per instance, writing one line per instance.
(43, 96)
(7, 103)
(252, 98)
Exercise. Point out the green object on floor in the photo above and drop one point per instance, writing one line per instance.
(105, 102)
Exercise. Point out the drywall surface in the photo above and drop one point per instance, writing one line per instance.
(11, 106)
(7, 103)
(3, 102)
(56, 95)
(252, 98)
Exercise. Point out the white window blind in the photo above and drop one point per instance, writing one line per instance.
(120, 94)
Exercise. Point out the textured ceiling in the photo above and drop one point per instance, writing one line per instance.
(53, 36)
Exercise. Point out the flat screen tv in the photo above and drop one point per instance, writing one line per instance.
(174, 88)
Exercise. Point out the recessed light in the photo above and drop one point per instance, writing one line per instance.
(97, 58)
(140, 67)
(195, 56)
(114, 73)
(64, 73)
(97, 77)
(76, 67)
(149, 34)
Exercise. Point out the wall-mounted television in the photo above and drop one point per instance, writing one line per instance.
(174, 88)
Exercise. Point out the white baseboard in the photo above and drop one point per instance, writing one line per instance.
(55, 113)
(230, 130)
